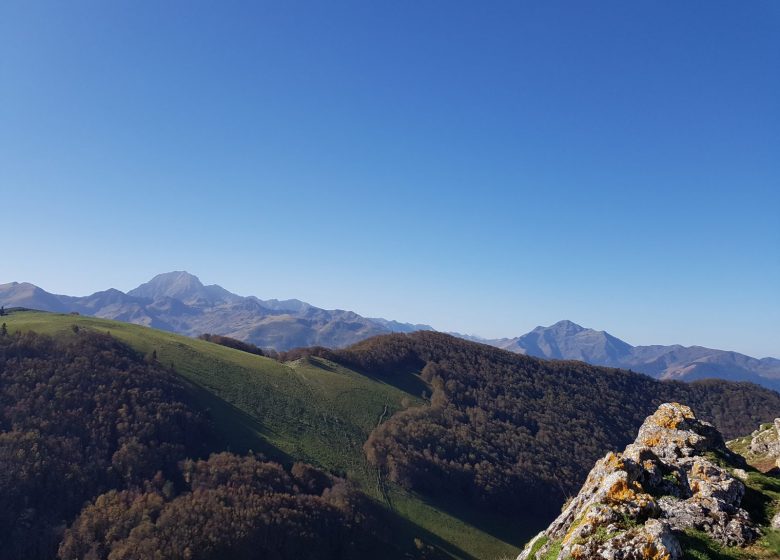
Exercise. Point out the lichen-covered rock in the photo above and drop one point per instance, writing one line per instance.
(654, 540)
(632, 502)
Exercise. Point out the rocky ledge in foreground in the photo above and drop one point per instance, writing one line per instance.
(634, 504)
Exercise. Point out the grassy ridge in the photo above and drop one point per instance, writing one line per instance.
(311, 410)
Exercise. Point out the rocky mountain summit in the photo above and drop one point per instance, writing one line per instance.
(676, 479)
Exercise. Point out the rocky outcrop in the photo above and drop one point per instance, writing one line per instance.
(766, 441)
(633, 503)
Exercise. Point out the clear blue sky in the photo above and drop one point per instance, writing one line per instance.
(479, 166)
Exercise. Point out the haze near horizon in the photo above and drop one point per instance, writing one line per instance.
(480, 169)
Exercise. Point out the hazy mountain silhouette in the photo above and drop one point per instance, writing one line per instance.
(179, 302)
(568, 341)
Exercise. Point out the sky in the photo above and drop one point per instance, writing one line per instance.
(482, 167)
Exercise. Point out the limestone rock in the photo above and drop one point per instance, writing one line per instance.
(632, 502)
(767, 442)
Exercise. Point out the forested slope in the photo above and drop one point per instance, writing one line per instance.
(469, 449)
(511, 432)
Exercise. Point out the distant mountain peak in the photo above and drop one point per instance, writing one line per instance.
(566, 340)
(567, 323)
(176, 277)
(113, 291)
(177, 284)
(565, 326)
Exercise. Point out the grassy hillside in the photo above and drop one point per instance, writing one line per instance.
(310, 409)
(500, 433)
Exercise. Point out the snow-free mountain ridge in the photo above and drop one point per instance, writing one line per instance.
(178, 301)
(568, 341)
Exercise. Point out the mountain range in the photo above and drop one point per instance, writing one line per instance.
(568, 341)
(179, 302)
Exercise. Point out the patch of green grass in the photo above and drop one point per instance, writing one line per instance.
(765, 483)
(721, 458)
(554, 550)
(762, 495)
(697, 545)
(627, 521)
(310, 410)
(602, 535)
(483, 538)
(538, 545)
(740, 446)
(771, 542)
